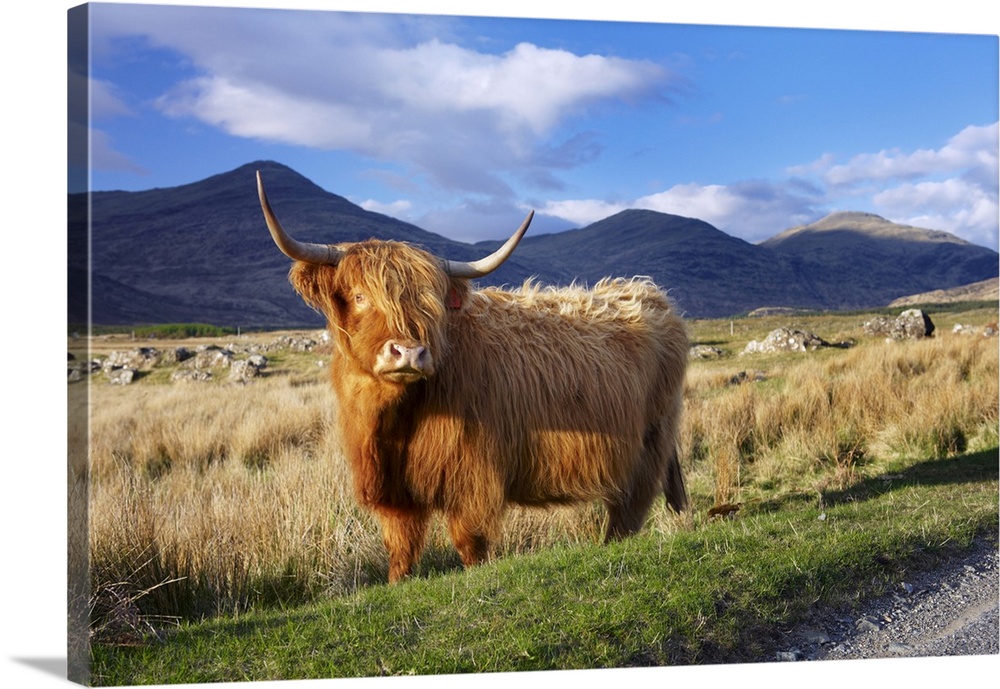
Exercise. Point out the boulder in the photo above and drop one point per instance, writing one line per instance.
(243, 371)
(705, 352)
(786, 340)
(909, 325)
(135, 359)
(189, 375)
(210, 356)
(121, 376)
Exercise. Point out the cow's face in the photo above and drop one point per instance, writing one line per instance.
(384, 301)
(385, 304)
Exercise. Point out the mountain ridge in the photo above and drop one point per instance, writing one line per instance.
(200, 252)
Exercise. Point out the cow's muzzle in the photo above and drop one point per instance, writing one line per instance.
(404, 362)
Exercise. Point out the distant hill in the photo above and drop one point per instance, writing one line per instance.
(708, 272)
(984, 290)
(201, 253)
(855, 260)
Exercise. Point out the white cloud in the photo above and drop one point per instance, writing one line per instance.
(966, 210)
(952, 188)
(752, 211)
(396, 209)
(973, 150)
(581, 212)
(388, 87)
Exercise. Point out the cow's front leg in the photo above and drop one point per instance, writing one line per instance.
(403, 533)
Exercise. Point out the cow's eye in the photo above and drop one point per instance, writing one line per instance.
(360, 299)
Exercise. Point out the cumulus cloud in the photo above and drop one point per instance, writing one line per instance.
(952, 188)
(753, 210)
(396, 209)
(391, 88)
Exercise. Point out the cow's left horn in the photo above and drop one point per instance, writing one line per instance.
(291, 247)
(485, 266)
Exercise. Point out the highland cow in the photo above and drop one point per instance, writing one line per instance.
(462, 401)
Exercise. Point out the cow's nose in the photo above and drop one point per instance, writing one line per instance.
(408, 357)
(404, 362)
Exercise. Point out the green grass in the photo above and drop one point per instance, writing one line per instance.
(717, 592)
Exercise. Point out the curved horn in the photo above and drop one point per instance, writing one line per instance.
(294, 249)
(485, 266)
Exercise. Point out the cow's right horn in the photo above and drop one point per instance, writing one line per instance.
(294, 249)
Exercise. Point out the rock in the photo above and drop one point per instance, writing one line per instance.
(705, 352)
(121, 376)
(867, 624)
(243, 371)
(210, 356)
(786, 340)
(187, 375)
(745, 377)
(914, 323)
(176, 355)
(135, 359)
(910, 324)
(986, 331)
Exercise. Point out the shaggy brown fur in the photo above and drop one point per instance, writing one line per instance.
(533, 396)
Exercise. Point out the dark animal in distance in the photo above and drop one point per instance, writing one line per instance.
(463, 401)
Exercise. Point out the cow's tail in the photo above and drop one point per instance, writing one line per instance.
(673, 482)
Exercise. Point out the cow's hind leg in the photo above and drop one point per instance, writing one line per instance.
(403, 532)
(627, 509)
(472, 535)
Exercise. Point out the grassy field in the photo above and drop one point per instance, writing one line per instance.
(225, 543)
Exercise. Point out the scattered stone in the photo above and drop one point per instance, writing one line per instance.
(786, 340)
(198, 364)
(705, 352)
(745, 377)
(210, 356)
(986, 331)
(867, 624)
(243, 371)
(909, 325)
(121, 376)
(135, 359)
(188, 375)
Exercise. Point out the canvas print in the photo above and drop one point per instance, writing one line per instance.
(427, 345)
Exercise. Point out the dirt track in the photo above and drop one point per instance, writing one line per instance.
(951, 610)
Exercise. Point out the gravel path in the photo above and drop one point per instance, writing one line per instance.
(952, 610)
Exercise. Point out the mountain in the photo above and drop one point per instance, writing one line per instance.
(856, 260)
(984, 290)
(201, 253)
(708, 272)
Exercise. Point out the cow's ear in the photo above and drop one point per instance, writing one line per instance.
(458, 294)
(316, 284)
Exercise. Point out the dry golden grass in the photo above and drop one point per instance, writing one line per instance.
(820, 418)
(238, 496)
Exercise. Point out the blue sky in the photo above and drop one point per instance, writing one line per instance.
(461, 124)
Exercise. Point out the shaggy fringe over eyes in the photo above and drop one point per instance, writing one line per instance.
(402, 283)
